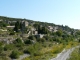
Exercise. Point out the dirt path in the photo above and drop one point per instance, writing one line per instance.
(63, 55)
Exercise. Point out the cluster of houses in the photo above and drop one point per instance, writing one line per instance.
(32, 31)
(53, 29)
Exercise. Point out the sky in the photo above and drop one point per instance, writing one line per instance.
(63, 12)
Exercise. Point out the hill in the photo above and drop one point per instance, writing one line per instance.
(38, 39)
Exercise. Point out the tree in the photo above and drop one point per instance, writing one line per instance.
(59, 33)
(36, 25)
(12, 33)
(17, 26)
(43, 30)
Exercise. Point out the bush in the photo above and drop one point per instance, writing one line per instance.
(33, 49)
(28, 42)
(4, 58)
(41, 40)
(32, 38)
(14, 54)
(19, 45)
(26, 51)
(18, 40)
(9, 47)
(12, 33)
(27, 58)
(57, 49)
(1, 43)
(1, 49)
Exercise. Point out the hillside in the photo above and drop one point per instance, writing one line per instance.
(32, 21)
(38, 39)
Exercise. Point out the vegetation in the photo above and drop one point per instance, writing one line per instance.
(75, 54)
(3, 24)
(45, 44)
(14, 54)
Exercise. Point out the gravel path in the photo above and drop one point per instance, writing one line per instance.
(63, 55)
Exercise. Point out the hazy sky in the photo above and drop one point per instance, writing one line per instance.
(66, 12)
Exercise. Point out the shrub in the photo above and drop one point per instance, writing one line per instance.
(9, 47)
(75, 55)
(31, 37)
(33, 49)
(28, 42)
(12, 33)
(27, 58)
(14, 54)
(18, 40)
(26, 51)
(1, 49)
(41, 40)
(1, 43)
(57, 49)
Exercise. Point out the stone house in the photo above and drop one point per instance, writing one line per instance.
(55, 29)
(40, 35)
(50, 28)
(24, 24)
(34, 32)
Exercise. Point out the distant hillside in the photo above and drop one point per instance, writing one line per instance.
(41, 23)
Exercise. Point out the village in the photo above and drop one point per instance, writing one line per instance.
(30, 31)
(24, 37)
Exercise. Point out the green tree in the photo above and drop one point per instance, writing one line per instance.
(59, 33)
(36, 25)
(43, 30)
(17, 26)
